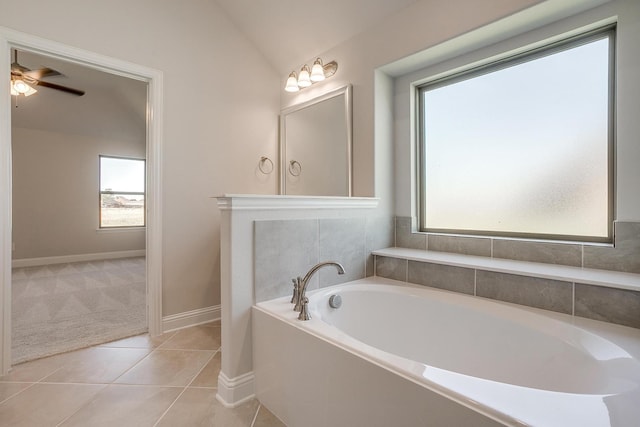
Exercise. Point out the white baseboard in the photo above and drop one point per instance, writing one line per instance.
(190, 318)
(34, 262)
(233, 392)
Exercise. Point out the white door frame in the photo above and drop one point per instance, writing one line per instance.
(13, 39)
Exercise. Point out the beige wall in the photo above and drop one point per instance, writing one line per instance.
(55, 194)
(221, 102)
(417, 27)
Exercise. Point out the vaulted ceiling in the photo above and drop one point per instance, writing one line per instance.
(290, 32)
(286, 32)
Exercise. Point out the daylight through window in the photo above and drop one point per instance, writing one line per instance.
(523, 147)
(122, 192)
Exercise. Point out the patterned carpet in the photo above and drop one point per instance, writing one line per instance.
(63, 307)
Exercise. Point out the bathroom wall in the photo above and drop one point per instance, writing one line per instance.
(215, 83)
(55, 194)
(423, 24)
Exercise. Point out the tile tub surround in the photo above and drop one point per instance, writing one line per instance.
(596, 294)
(623, 256)
(285, 249)
(139, 381)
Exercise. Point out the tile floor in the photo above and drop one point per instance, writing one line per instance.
(166, 381)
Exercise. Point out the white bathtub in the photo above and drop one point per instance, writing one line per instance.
(397, 355)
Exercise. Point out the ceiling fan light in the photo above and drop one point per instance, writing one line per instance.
(30, 92)
(303, 78)
(14, 92)
(20, 86)
(292, 83)
(317, 71)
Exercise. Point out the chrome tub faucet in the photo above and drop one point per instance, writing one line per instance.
(300, 288)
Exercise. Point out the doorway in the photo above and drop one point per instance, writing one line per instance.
(78, 248)
(13, 40)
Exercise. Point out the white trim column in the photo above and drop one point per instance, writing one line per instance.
(238, 214)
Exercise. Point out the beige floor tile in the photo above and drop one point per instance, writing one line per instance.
(167, 367)
(125, 405)
(45, 404)
(8, 390)
(35, 370)
(195, 338)
(97, 365)
(199, 407)
(266, 419)
(209, 375)
(139, 341)
(214, 324)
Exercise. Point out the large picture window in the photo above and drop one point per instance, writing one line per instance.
(522, 147)
(122, 192)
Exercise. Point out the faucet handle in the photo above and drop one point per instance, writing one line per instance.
(296, 290)
(304, 311)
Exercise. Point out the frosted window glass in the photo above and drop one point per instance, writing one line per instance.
(521, 150)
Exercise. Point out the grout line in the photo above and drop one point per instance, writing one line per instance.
(255, 416)
(204, 365)
(573, 299)
(18, 392)
(87, 403)
(475, 282)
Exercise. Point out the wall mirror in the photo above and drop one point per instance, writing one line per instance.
(315, 146)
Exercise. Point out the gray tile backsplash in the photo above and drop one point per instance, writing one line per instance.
(284, 249)
(391, 268)
(342, 240)
(406, 238)
(460, 245)
(554, 295)
(380, 234)
(624, 256)
(548, 253)
(619, 306)
(450, 278)
(595, 302)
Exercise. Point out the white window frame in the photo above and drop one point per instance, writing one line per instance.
(115, 191)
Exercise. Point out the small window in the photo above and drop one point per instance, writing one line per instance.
(522, 147)
(122, 192)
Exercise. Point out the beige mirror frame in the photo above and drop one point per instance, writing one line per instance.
(316, 146)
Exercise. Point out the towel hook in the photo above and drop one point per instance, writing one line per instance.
(295, 168)
(265, 161)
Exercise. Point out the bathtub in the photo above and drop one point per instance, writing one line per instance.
(398, 355)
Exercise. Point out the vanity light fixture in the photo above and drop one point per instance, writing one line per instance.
(292, 83)
(306, 77)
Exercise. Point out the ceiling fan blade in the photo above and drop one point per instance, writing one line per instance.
(42, 72)
(59, 87)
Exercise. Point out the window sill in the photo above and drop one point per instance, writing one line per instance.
(120, 229)
(605, 278)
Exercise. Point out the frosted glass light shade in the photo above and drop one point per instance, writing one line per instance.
(317, 72)
(292, 83)
(304, 78)
(20, 87)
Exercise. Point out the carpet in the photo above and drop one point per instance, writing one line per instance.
(63, 307)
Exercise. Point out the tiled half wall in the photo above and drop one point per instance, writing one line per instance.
(285, 249)
(613, 305)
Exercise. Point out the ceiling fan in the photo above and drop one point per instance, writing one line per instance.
(22, 79)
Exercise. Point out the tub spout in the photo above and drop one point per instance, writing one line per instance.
(301, 299)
